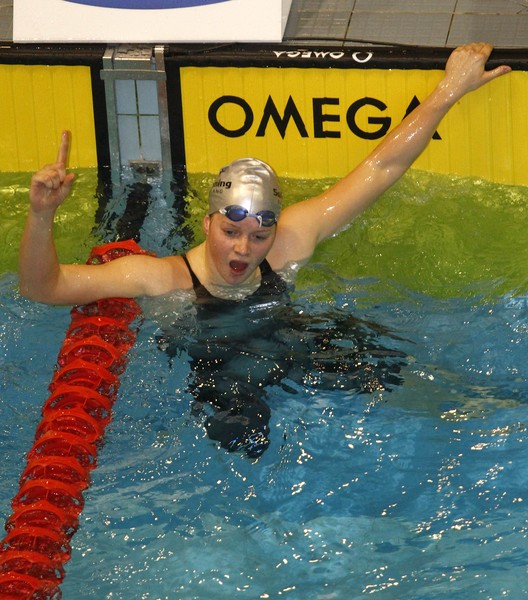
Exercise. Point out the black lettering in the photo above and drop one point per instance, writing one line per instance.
(217, 126)
(319, 118)
(290, 112)
(222, 184)
(383, 122)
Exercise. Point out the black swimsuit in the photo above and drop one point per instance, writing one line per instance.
(271, 284)
(241, 417)
(242, 348)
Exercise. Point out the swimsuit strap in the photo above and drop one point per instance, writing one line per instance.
(265, 268)
(195, 281)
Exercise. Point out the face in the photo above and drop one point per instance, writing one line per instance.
(236, 249)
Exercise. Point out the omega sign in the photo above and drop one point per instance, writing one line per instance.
(359, 57)
(324, 119)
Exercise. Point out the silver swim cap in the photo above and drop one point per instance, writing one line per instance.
(249, 183)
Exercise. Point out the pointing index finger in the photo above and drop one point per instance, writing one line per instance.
(64, 148)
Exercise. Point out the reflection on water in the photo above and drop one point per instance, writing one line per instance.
(396, 383)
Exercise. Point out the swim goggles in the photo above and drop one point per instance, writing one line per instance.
(266, 218)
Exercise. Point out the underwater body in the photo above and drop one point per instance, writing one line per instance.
(240, 348)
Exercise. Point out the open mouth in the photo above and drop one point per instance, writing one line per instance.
(238, 266)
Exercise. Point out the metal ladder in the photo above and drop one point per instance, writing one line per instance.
(137, 108)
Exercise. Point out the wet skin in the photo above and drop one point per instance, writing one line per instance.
(235, 249)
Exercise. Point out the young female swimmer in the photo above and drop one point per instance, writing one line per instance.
(248, 237)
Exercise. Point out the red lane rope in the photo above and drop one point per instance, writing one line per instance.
(82, 392)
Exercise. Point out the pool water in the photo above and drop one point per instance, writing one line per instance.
(416, 488)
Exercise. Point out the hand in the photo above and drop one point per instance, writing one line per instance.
(465, 68)
(51, 185)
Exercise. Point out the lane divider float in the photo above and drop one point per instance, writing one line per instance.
(83, 390)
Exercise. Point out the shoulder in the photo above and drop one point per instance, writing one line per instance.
(295, 239)
(176, 273)
(158, 275)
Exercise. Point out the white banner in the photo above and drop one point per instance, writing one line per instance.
(149, 21)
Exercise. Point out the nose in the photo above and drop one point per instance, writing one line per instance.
(242, 245)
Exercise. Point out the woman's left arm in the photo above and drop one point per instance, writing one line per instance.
(307, 223)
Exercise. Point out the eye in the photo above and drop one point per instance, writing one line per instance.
(230, 232)
(261, 237)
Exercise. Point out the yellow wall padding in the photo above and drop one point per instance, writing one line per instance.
(484, 135)
(37, 102)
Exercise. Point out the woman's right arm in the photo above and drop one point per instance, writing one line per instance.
(43, 279)
(39, 269)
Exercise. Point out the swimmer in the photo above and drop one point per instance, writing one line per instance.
(251, 251)
(249, 239)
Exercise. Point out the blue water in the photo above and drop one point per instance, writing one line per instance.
(417, 491)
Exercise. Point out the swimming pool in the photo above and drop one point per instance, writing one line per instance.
(416, 489)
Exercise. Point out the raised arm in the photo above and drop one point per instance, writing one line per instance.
(306, 223)
(39, 268)
(44, 279)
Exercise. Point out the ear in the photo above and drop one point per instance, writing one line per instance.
(206, 223)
